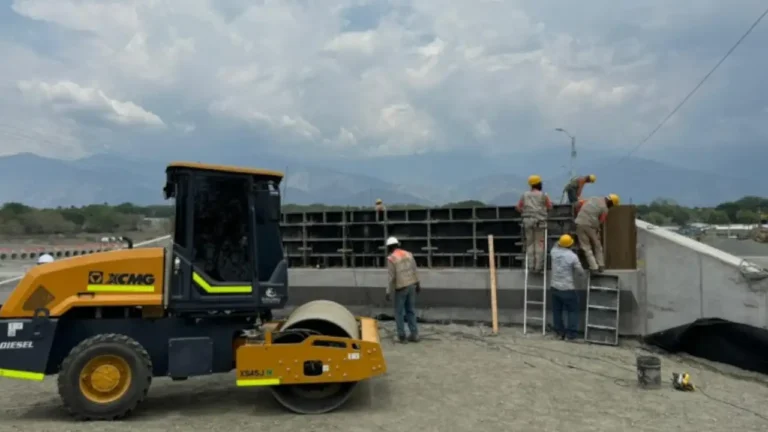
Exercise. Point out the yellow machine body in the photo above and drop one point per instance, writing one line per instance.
(121, 278)
(263, 363)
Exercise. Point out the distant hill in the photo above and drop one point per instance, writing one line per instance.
(45, 182)
(111, 178)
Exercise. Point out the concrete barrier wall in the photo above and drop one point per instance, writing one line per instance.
(682, 280)
(447, 294)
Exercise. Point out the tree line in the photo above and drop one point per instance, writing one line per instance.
(17, 219)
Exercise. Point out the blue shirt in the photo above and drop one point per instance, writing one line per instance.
(565, 265)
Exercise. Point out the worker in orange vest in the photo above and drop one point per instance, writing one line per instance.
(404, 281)
(533, 207)
(591, 213)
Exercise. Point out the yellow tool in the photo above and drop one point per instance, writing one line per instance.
(682, 381)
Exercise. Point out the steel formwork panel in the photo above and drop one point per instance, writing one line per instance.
(437, 237)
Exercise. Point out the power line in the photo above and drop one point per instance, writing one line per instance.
(695, 89)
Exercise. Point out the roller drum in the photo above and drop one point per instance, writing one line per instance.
(329, 319)
(325, 317)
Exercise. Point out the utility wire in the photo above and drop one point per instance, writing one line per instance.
(695, 89)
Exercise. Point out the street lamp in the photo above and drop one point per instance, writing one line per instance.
(573, 148)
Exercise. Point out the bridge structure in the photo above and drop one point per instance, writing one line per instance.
(665, 279)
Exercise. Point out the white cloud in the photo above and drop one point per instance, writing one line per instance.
(67, 97)
(396, 77)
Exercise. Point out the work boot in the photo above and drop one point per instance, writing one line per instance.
(601, 269)
(414, 339)
(402, 339)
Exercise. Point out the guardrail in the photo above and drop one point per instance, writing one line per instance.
(31, 253)
(74, 252)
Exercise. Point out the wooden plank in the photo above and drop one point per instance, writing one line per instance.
(492, 268)
(620, 239)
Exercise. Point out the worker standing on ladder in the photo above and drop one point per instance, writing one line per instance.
(404, 281)
(533, 207)
(575, 187)
(566, 268)
(591, 213)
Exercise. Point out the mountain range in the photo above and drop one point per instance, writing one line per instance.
(421, 179)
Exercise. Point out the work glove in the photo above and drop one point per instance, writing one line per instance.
(388, 297)
(418, 287)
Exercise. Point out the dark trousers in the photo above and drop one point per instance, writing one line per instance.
(405, 311)
(565, 301)
(572, 197)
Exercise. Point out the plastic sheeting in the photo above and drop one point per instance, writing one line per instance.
(715, 339)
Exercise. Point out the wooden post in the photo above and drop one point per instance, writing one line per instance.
(492, 268)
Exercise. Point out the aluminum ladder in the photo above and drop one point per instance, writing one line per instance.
(603, 303)
(540, 286)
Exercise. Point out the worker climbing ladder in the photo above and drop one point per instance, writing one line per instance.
(538, 283)
(602, 317)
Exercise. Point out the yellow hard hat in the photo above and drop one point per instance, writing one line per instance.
(534, 180)
(378, 200)
(614, 198)
(592, 178)
(565, 241)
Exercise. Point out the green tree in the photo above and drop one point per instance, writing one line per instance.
(46, 222)
(465, 204)
(656, 218)
(718, 217)
(747, 217)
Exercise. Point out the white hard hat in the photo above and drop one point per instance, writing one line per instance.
(392, 241)
(45, 259)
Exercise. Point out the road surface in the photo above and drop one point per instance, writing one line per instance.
(455, 380)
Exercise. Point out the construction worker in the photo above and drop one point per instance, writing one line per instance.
(566, 268)
(574, 187)
(590, 215)
(45, 259)
(380, 209)
(404, 281)
(533, 207)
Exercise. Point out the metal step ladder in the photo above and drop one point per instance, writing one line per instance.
(538, 297)
(602, 317)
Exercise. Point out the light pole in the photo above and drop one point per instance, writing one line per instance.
(573, 148)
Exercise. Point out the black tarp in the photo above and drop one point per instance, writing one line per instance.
(715, 339)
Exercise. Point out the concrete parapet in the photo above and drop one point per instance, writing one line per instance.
(447, 294)
(682, 280)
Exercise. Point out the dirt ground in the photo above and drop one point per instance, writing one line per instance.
(456, 379)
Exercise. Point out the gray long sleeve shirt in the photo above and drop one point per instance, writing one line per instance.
(565, 268)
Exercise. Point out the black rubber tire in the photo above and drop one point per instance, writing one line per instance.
(115, 344)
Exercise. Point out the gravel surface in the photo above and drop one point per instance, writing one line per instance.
(455, 380)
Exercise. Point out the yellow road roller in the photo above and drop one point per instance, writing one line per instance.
(108, 323)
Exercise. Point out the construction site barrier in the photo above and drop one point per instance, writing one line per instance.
(34, 252)
(69, 252)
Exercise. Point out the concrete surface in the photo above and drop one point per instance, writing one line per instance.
(682, 280)
(740, 248)
(454, 380)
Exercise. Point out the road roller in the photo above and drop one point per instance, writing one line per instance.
(108, 323)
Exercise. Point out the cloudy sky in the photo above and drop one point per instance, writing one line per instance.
(362, 78)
